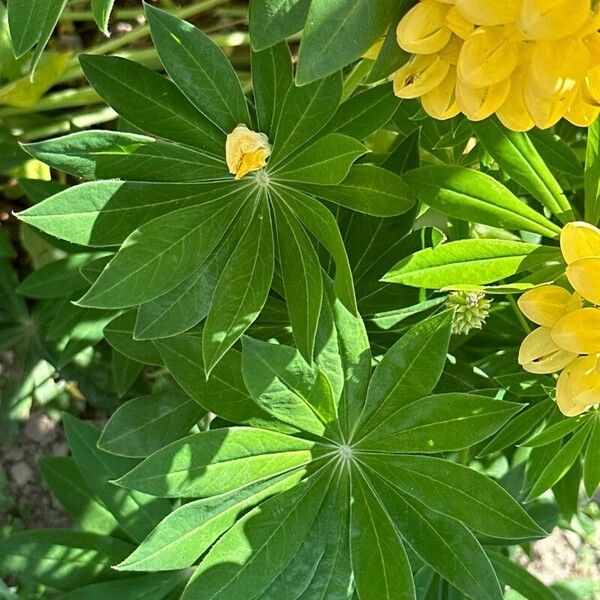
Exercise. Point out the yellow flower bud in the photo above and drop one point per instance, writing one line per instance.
(487, 57)
(246, 151)
(480, 103)
(540, 354)
(489, 12)
(578, 386)
(547, 304)
(579, 331)
(553, 19)
(579, 240)
(423, 29)
(420, 75)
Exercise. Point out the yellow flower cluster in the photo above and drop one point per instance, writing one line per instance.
(568, 336)
(531, 62)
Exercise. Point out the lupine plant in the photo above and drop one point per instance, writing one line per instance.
(335, 315)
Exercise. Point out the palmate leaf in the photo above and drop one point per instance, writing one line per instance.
(191, 243)
(333, 510)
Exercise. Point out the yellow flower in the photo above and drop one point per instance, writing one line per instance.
(532, 62)
(569, 334)
(246, 151)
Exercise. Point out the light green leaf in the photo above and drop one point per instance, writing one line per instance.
(280, 381)
(519, 159)
(440, 423)
(104, 213)
(474, 196)
(119, 334)
(592, 174)
(305, 111)
(591, 465)
(243, 287)
(272, 21)
(61, 559)
(151, 102)
(25, 22)
(470, 262)
(218, 461)
(182, 537)
(199, 69)
(144, 425)
(338, 32)
(160, 254)
(58, 279)
(115, 155)
(326, 161)
(368, 189)
(381, 567)
(302, 278)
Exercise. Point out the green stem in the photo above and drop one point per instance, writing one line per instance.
(519, 314)
(126, 14)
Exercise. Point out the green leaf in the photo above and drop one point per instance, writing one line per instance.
(199, 69)
(224, 393)
(141, 587)
(161, 254)
(555, 432)
(151, 102)
(365, 113)
(137, 513)
(272, 21)
(379, 561)
(326, 161)
(592, 174)
(62, 476)
(368, 189)
(144, 425)
(25, 23)
(474, 196)
(446, 545)
(322, 224)
(101, 10)
(338, 32)
(119, 334)
(104, 213)
(305, 111)
(126, 371)
(61, 559)
(280, 381)
(53, 11)
(470, 262)
(519, 579)
(558, 155)
(561, 462)
(271, 79)
(440, 423)
(58, 279)
(519, 159)
(409, 370)
(218, 461)
(183, 536)
(115, 155)
(302, 279)
(460, 493)
(265, 542)
(591, 465)
(243, 287)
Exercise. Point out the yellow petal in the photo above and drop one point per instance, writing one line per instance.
(578, 386)
(539, 354)
(553, 19)
(584, 276)
(579, 240)
(556, 73)
(546, 112)
(513, 113)
(590, 90)
(582, 114)
(451, 51)
(458, 24)
(489, 12)
(440, 103)
(487, 57)
(579, 331)
(480, 103)
(423, 29)
(246, 151)
(547, 304)
(420, 75)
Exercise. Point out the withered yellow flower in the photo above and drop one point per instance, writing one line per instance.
(569, 334)
(246, 151)
(531, 62)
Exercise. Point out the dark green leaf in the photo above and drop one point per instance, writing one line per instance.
(272, 21)
(591, 465)
(119, 334)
